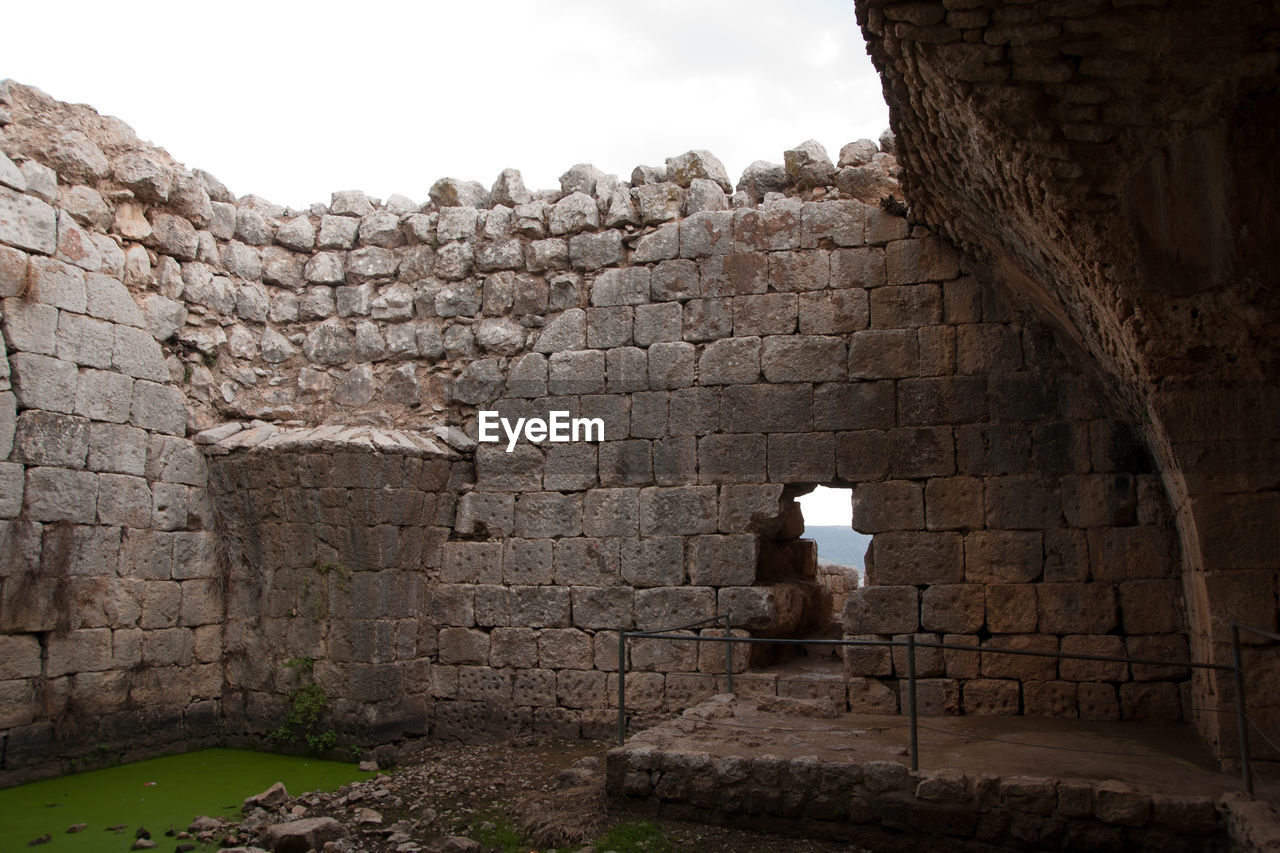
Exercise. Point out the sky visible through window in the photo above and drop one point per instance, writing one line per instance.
(828, 520)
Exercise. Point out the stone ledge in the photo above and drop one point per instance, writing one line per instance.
(262, 436)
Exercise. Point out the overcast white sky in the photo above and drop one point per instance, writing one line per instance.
(291, 101)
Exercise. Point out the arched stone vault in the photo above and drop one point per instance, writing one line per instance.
(1113, 165)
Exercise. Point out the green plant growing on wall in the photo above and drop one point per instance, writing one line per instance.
(307, 705)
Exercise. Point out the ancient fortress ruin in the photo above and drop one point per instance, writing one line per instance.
(235, 435)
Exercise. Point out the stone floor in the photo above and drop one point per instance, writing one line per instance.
(1166, 758)
(1027, 783)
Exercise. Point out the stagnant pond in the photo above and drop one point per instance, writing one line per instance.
(158, 794)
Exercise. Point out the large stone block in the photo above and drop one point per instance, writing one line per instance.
(48, 438)
(854, 406)
(587, 562)
(594, 251)
(838, 223)
(991, 697)
(548, 514)
(626, 463)
(867, 661)
(656, 323)
(792, 272)
(919, 452)
(765, 314)
(1003, 556)
(598, 608)
(1027, 503)
(884, 354)
(472, 562)
(653, 562)
(1011, 608)
(833, 312)
(136, 353)
(485, 514)
(56, 494)
(671, 365)
(40, 382)
(871, 696)
(932, 400)
(733, 361)
(953, 503)
(60, 285)
(953, 608)
(731, 458)
(158, 408)
(527, 561)
(668, 607)
(1077, 608)
(678, 511)
(611, 512)
(673, 460)
(921, 259)
(84, 340)
(767, 408)
(1159, 647)
(882, 610)
(513, 647)
(627, 369)
(722, 560)
(910, 557)
(774, 227)
(693, 411)
(103, 396)
(1021, 667)
(706, 232)
(30, 326)
(891, 505)
(804, 358)
(905, 306)
(576, 372)
(517, 471)
(124, 500)
(738, 274)
(1073, 669)
(675, 280)
(988, 348)
(1066, 556)
(540, 606)
(1120, 554)
(1152, 606)
(994, 449)
(463, 646)
(802, 457)
(749, 508)
(27, 222)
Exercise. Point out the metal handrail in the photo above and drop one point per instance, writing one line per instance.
(911, 644)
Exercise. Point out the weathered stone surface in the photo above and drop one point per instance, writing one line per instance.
(27, 223)
(882, 610)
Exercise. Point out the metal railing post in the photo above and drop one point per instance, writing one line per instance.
(1242, 719)
(728, 654)
(911, 701)
(622, 687)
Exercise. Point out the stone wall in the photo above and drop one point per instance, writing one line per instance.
(1111, 163)
(739, 347)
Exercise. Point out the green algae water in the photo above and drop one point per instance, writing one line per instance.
(158, 794)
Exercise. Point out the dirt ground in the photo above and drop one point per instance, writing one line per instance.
(532, 795)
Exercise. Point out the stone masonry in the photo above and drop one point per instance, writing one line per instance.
(235, 434)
